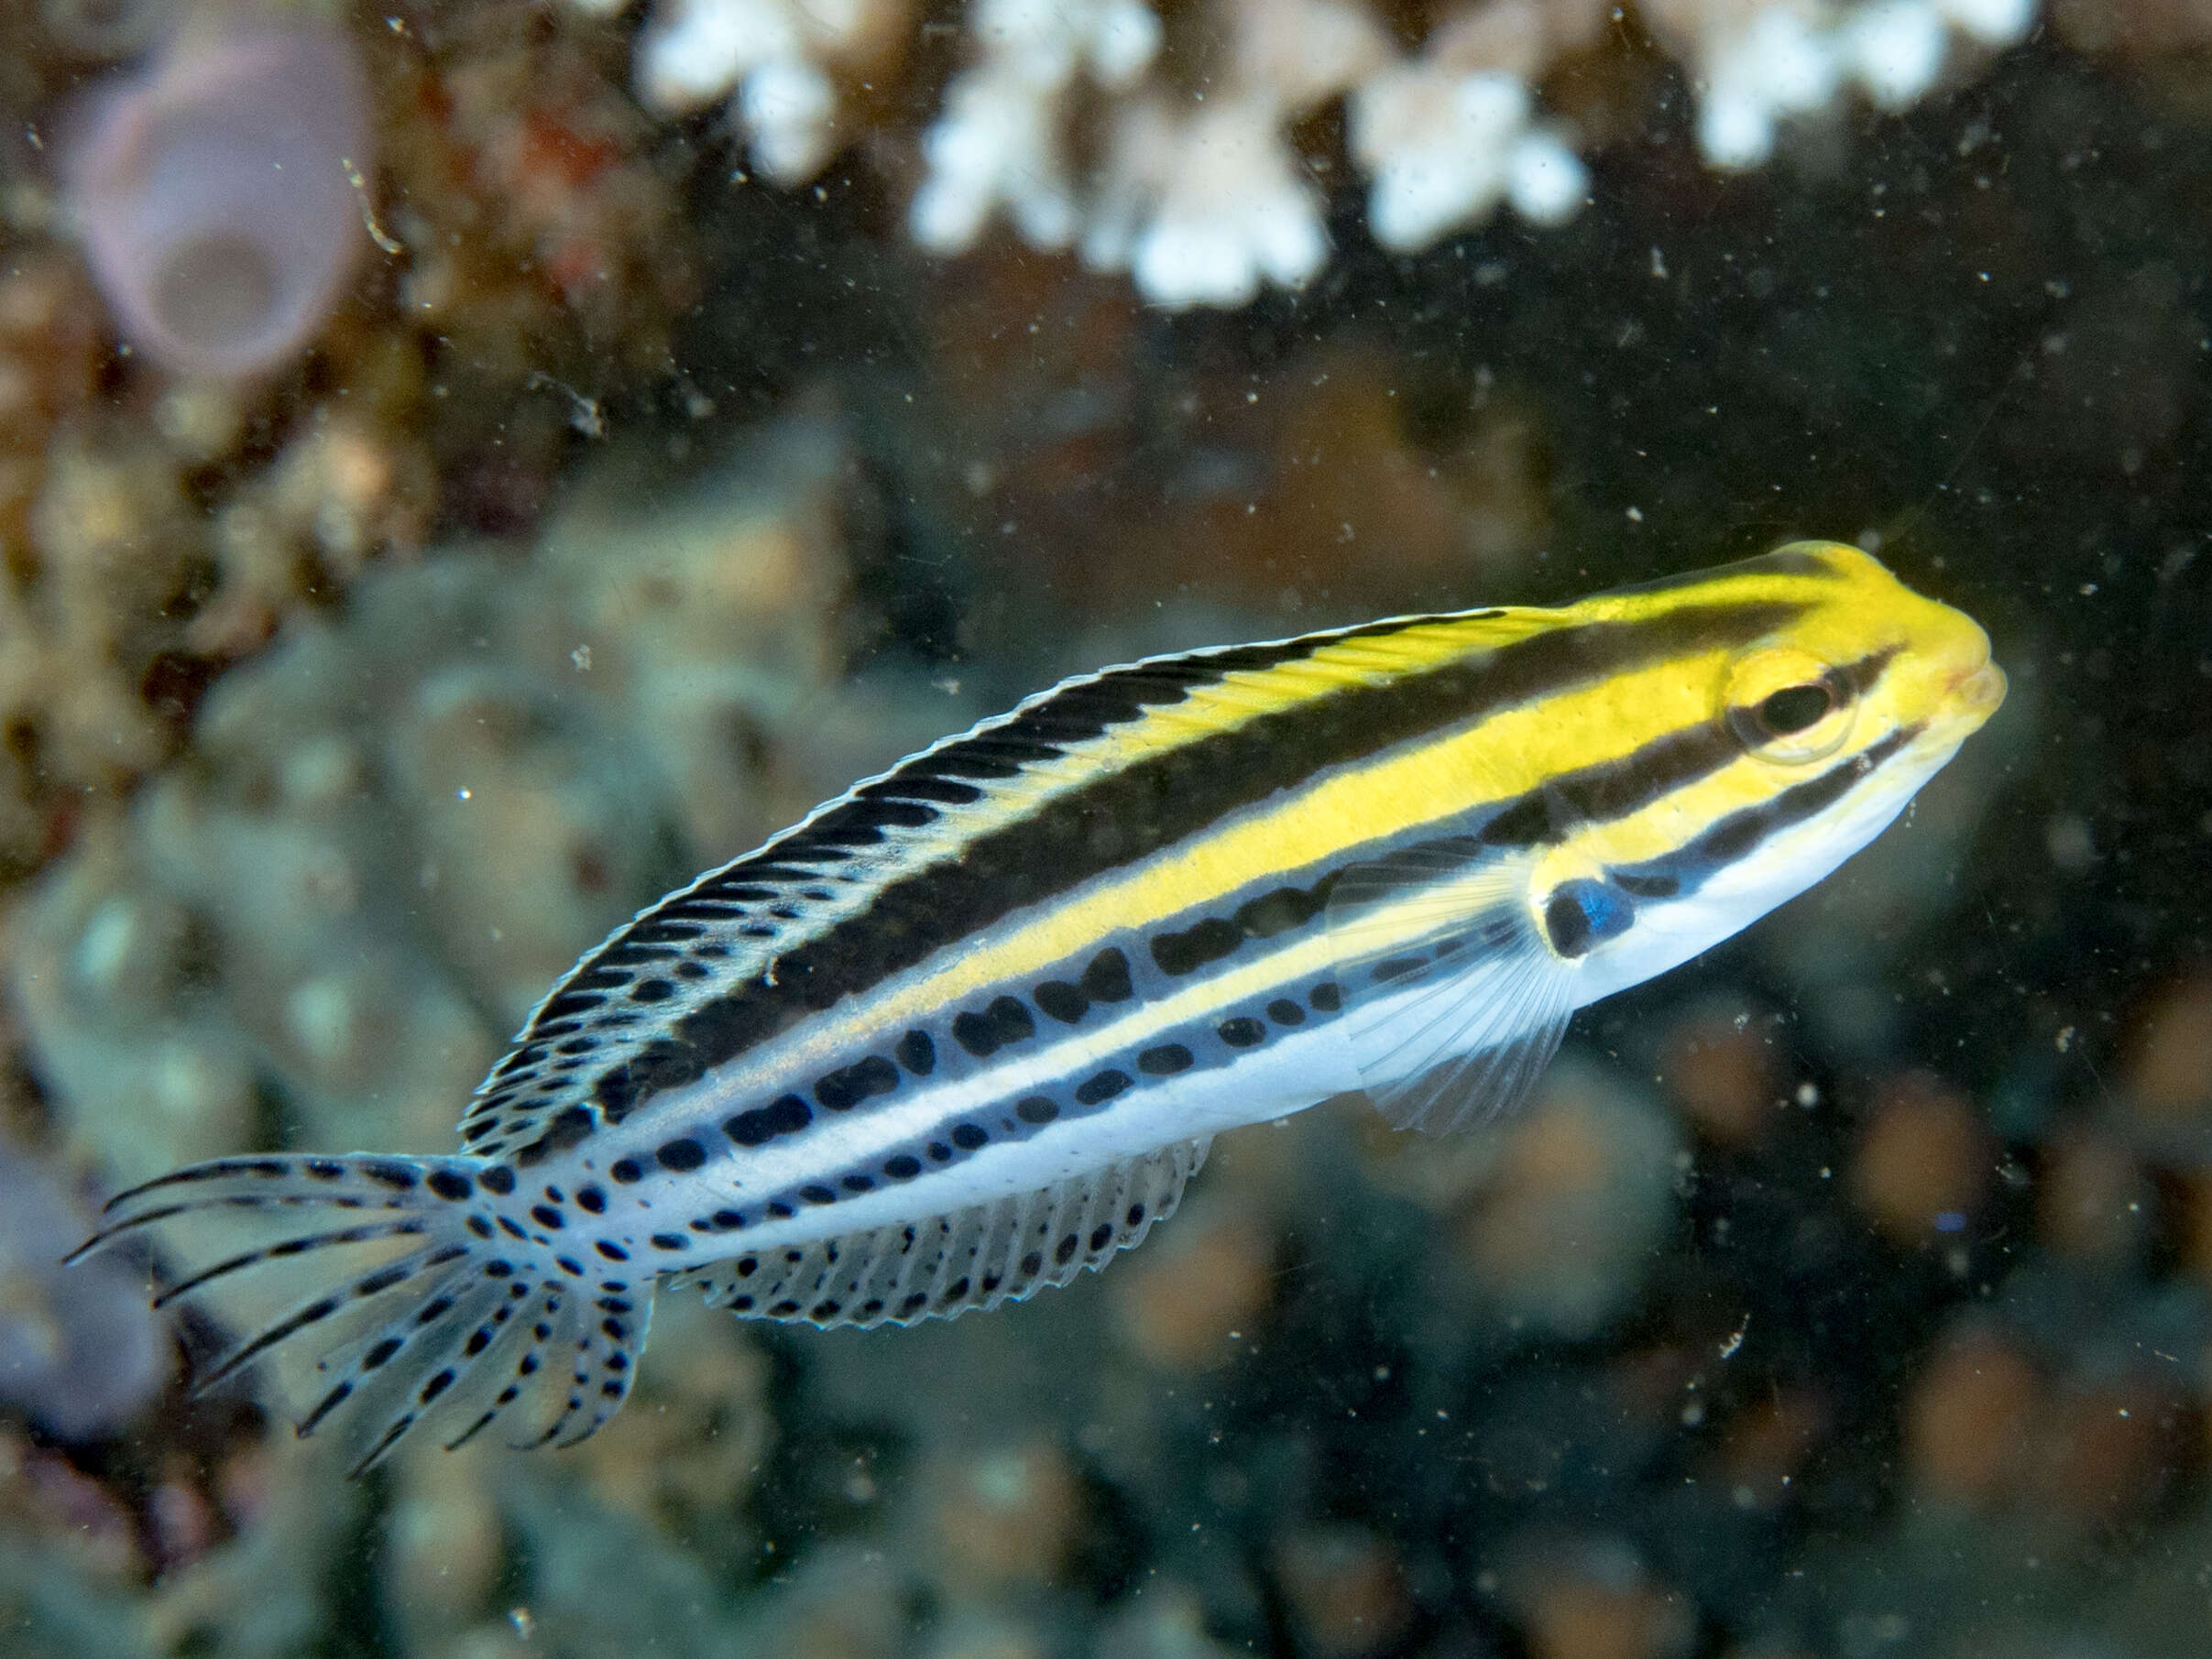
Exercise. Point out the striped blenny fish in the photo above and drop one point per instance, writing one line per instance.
(966, 1030)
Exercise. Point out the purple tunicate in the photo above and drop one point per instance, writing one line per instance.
(215, 193)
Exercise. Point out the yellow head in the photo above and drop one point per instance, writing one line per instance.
(1867, 659)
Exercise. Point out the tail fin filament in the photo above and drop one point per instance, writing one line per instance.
(434, 1308)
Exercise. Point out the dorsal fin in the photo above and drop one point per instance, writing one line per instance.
(909, 860)
(973, 1258)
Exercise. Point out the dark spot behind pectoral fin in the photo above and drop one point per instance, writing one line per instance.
(973, 1258)
(1454, 1000)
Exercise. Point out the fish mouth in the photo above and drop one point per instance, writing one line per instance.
(1979, 690)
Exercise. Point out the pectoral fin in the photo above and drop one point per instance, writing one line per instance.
(1454, 998)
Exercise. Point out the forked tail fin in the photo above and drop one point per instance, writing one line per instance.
(422, 1299)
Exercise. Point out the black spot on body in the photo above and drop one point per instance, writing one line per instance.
(626, 1170)
(783, 1116)
(680, 1155)
(592, 1199)
(844, 1089)
(1283, 1011)
(1101, 1086)
(1582, 914)
(1242, 1031)
(1063, 1001)
(968, 1136)
(1283, 909)
(918, 1054)
(1325, 998)
(1164, 1061)
(1107, 978)
(546, 1216)
(983, 1034)
(1036, 1109)
(1194, 947)
(498, 1179)
(571, 1127)
(904, 1167)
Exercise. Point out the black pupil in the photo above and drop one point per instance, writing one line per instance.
(1793, 708)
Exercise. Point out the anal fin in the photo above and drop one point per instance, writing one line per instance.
(973, 1258)
(1454, 1001)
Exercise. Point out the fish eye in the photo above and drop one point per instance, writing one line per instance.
(1793, 708)
(1787, 706)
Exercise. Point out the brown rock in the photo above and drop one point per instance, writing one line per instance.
(1006, 1518)
(1210, 1280)
(1719, 1065)
(1581, 1190)
(1346, 1590)
(2092, 1203)
(1969, 1419)
(1767, 1444)
(2109, 1451)
(2169, 1072)
(1923, 1159)
(1597, 1602)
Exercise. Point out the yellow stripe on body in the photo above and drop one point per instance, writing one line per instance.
(1458, 771)
(1422, 645)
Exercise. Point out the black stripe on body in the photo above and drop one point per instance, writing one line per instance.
(1094, 1086)
(1116, 819)
(1740, 833)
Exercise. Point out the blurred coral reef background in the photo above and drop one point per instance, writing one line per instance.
(631, 424)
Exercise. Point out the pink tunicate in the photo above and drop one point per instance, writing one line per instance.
(217, 197)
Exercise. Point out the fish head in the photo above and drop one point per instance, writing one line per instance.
(1830, 721)
(1868, 669)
